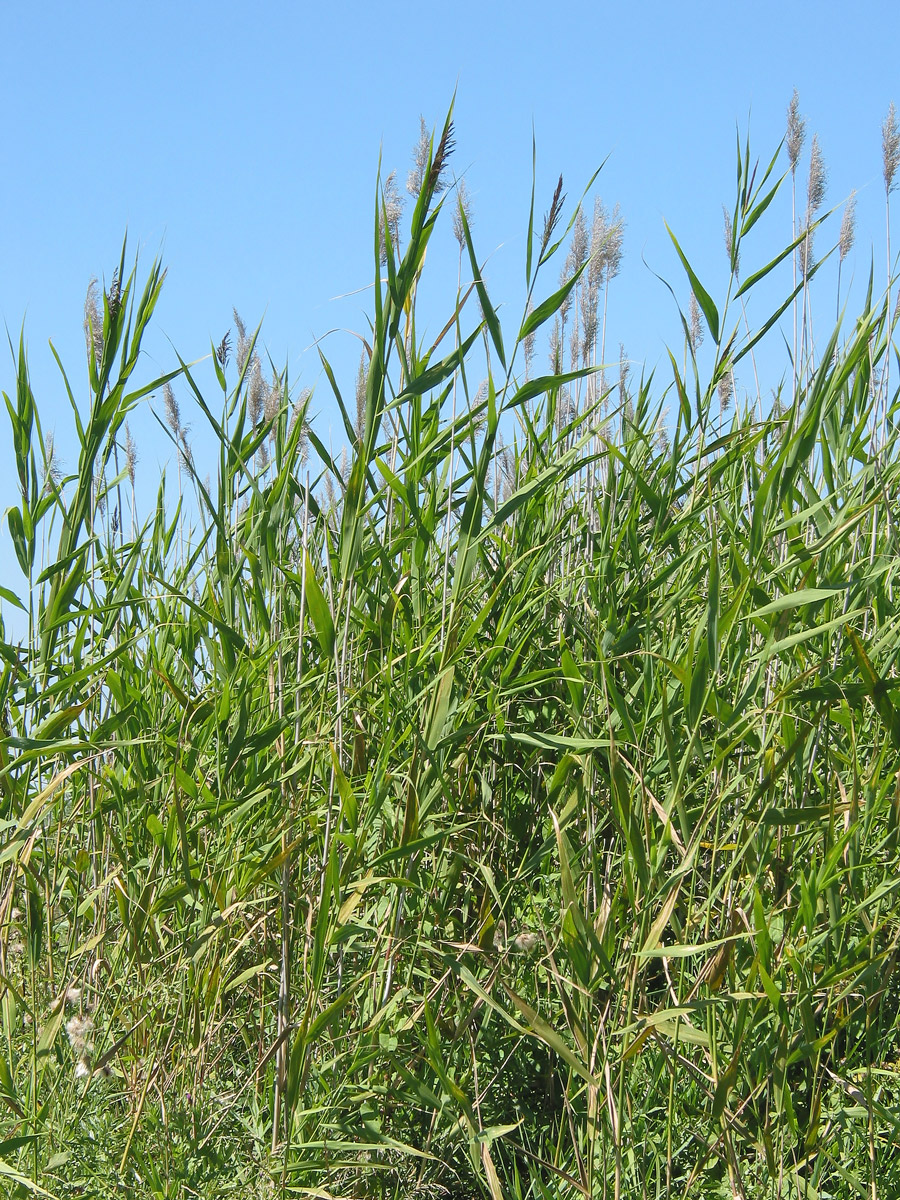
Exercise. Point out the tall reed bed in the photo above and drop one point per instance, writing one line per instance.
(509, 810)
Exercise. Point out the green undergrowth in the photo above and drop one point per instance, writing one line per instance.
(510, 810)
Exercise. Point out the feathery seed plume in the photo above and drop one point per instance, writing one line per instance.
(589, 304)
(52, 465)
(578, 249)
(243, 342)
(818, 178)
(598, 241)
(624, 370)
(554, 347)
(612, 251)
(463, 209)
(416, 176)
(173, 412)
(890, 148)
(726, 391)
(696, 324)
(796, 131)
(78, 1031)
(661, 437)
(256, 398)
(273, 400)
(565, 275)
(848, 227)
(93, 323)
(131, 454)
(392, 210)
(329, 493)
(529, 344)
(551, 218)
(805, 256)
(729, 240)
(297, 415)
(574, 345)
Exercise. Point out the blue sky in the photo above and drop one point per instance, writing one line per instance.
(243, 145)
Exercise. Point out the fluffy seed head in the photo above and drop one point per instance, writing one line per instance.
(796, 131)
(890, 148)
(612, 250)
(529, 345)
(598, 241)
(243, 342)
(416, 176)
(256, 399)
(564, 276)
(729, 241)
(173, 412)
(52, 465)
(624, 370)
(273, 399)
(93, 322)
(696, 324)
(555, 353)
(463, 208)
(389, 216)
(360, 427)
(848, 227)
(578, 250)
(131, 454)
(818, 178)
(805, 255)
(78, 1031)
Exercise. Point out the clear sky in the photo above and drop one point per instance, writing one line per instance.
(243, 144)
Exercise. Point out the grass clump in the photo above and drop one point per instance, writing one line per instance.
(511, 809)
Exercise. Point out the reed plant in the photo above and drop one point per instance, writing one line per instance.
(512, 811)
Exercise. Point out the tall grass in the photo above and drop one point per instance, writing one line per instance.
(479, 819)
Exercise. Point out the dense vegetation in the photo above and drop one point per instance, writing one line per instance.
(465, 818)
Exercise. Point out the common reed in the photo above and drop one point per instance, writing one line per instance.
(502, 802)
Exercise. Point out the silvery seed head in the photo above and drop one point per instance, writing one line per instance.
(416, 176)
(93, 322)
(389, 215)
(173, 412)
(818, 178)
(848, 227)
(52, 465)
(696, 323)
(131, 454)
(463, 208)
(796, 131)
(890, 148)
